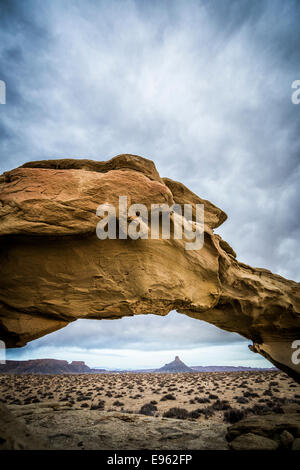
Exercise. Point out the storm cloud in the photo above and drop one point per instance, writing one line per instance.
(203, 88)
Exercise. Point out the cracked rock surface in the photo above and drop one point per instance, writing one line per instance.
(61, 427)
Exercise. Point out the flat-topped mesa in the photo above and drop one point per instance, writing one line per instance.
(44, 366)
(55, 270)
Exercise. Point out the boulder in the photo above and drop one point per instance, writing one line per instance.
(286, 439)
(296, 444)
(282, 428)
(251, 441)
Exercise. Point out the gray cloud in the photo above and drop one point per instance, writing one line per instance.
(203, 88)
(164, 333)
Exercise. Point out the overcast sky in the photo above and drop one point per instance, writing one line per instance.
(203, 88)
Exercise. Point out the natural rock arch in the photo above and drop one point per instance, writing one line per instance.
(55, 270)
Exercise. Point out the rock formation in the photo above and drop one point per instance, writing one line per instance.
(55, 270)
(175, 366)
(47, 366)
(14, 435)
(268, 432)
(65, 427)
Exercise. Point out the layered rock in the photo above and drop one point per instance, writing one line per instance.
(55, 270)
(176, 366)
(267, 432)
(68, 428)
(45, 366)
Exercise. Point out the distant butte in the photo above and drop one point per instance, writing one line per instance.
(175, 366)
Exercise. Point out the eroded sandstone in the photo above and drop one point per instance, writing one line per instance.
(55, 270)
(62, 427)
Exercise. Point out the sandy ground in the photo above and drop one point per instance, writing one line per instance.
(211, 394)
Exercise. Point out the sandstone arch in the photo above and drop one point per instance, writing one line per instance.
(55, 270)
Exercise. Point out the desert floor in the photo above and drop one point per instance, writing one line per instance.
(149, 411)
(200, 396)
